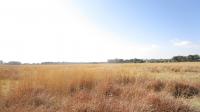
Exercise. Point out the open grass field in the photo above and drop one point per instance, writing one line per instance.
(159, 87)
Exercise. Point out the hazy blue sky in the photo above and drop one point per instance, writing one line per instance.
(97, 30)
(158, 21)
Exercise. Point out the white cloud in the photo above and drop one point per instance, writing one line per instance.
(185, 47)
(53, 30)
(181, 43)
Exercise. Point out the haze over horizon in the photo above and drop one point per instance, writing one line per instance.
(97, 30)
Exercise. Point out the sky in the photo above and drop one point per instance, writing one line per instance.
(97, 30)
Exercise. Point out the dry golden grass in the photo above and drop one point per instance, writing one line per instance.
(166, 87)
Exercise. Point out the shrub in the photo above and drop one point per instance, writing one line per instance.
(183, 90)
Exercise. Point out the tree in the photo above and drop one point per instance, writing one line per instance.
(193, 57)
(115, 61)
(179, 58)
(14, 63)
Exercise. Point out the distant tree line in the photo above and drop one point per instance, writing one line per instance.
(11, 62)
(126, 60)
(1, 62)
(47, 63)
(189, 58)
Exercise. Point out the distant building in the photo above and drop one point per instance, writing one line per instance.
(1, 62)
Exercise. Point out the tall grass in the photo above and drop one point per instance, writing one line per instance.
(103, 88)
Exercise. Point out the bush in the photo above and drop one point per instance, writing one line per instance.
(183, 90)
